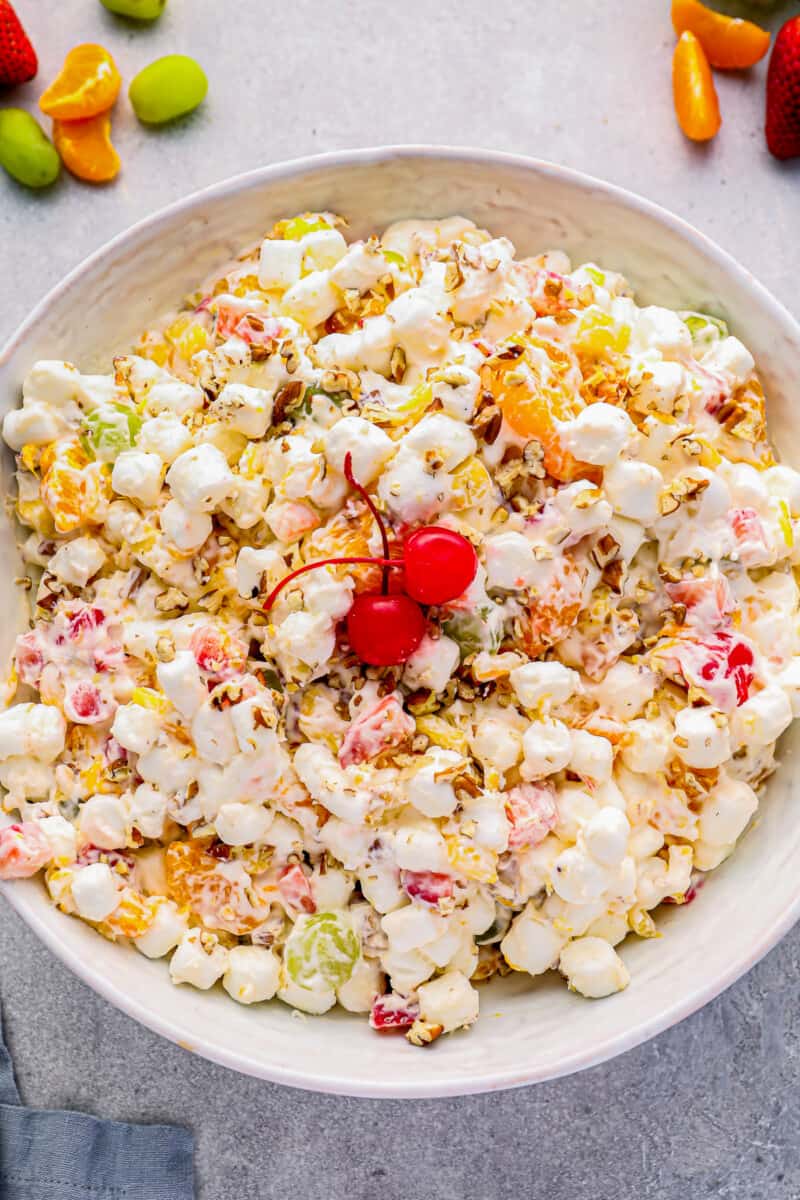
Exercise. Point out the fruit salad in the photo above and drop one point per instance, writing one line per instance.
(404, 612)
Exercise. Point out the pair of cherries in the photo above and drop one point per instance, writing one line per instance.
(386, 627)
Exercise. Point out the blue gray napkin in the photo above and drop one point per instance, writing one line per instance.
(50, 1155)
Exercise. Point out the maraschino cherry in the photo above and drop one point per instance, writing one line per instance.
(439, 564)
(386, 628)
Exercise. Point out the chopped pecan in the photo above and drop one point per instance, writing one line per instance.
(512, 351)
(288, 396)
(488, 423)
(465, 783)
(613, 574)
(453, 276)
(171, 599)
(606, 549)
(397, 364)
(423, 1033)
(165, 648)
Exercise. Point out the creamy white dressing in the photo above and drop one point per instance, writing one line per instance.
(219, 784)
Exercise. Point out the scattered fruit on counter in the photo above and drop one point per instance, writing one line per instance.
(86, 85)
(80, 100)
(138, 10)
(708, 39)
(729, 43)
(783, 93)
(25, 151)
(86, 149)
(167, 89)
(18, 61)
(695, 96)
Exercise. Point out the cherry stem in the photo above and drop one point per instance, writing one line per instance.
(370, 503)
(386, 563)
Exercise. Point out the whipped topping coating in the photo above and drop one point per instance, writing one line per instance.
(578, 737)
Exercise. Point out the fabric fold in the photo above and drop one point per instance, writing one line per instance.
(56, 1155)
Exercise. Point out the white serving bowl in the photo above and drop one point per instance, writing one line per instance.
(528, 1030)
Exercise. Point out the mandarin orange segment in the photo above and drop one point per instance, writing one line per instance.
(87, 84)
(696, 104)
(132, 916)
(348, 533)
(195, 880)
(534, 412)
(86, 149)
(729, 42)
(553, 613)
(63, 492)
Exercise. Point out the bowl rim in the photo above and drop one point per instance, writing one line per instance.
(446, 1085)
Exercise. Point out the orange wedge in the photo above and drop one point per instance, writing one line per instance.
(729, 42)
(534, 413)
(85, 148)
(87, 84)
(696, 104)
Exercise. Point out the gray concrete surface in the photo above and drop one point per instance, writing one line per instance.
(709, 1108)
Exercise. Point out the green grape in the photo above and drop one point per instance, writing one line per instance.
(25, 151)
(168, 88)
(480, 630)
(139, 10)
(297, 227)
(498, 928)
(312, 390)
(110, 429)
(705, 330)
(272, 679)
(596, 276)
(322, 949)
(393, 256)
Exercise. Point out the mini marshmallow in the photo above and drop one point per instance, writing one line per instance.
(701, 738)
(95, 891)
(547, 747)
(199, 960)
(168, 926)
(593, 968)
(633, 489)
(450, 1001)
(200, 478)
(279, 263)
(598, 434)
(544, 683)
(138, 476)
(252, 974)
(532, 943)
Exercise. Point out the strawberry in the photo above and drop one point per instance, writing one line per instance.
(783, 93)
(18, 61)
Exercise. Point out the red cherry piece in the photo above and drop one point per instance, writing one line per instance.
(722, 665)
(532, 812)
(23, 851)
(29, 655)
(383, 725)
(440, 564)
(84, 704)
(391, 1012)
(384, 630)
(427, 887)
(295, 890)
(94, 854)
(83, 620)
